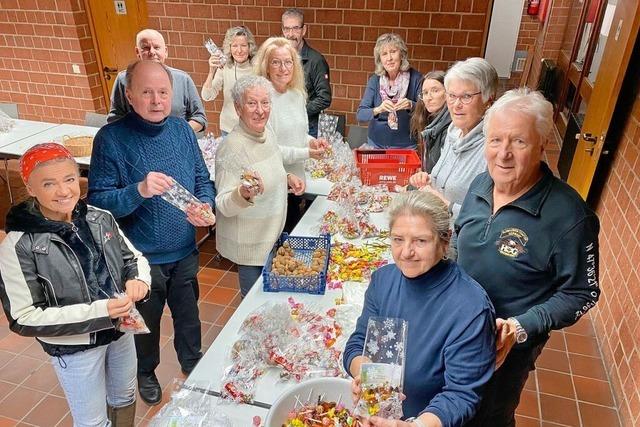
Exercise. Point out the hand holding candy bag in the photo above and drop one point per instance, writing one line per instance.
(381, 379)
(133, 323)
(182, 199)
(215, 51)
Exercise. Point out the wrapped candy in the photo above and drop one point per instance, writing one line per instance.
(298, 340)
(182, 199)
(355, 263)
(133, 323)
(208, 147)
(381, 376)
(321, 413)
(215, 50)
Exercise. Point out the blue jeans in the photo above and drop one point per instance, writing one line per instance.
(247, 276)
(93, 378)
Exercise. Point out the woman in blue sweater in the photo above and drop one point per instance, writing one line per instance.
(390, 95)
(450, 351)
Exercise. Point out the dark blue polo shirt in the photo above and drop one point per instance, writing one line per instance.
(537, 257)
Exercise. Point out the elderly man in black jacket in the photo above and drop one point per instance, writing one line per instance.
(316, 69)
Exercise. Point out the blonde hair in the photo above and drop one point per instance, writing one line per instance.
(393, 39)
(238, 32)
(426, 205)
(263, 58)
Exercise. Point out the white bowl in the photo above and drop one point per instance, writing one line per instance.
(330, 388)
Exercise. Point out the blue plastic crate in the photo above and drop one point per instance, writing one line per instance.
(303, 248)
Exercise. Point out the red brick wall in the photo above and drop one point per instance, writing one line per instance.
(617, 315)
(529, 30)
(437, 33)
(39, 41)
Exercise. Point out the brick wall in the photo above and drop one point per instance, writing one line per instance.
(437, 33)
(617, 315)
(527, 35)
(39, 41)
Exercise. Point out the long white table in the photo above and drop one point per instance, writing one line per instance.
(55, 134)
(269, 386)
(23, 129)
(317, 186)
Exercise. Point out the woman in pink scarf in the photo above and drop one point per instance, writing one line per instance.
(390, 95)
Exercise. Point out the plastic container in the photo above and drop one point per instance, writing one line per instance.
(329, 389)
(303, 248)
(391, 167)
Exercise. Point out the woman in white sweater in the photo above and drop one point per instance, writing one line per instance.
(239, 47)
(278, 61)
(250, 218)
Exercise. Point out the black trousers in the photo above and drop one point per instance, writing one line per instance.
(295, 210)
(176, 284)
(502, 393)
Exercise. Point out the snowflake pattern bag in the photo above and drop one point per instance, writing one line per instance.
(381, 376)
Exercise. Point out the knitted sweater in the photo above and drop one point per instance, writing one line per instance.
(461, 160)
(290, 124)
(124, 152)
(246, 231)
(224, 79)
(185, 102)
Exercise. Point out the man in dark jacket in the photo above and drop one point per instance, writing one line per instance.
(316, 69)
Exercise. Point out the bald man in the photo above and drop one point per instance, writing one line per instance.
(186, 102)
(134, 161)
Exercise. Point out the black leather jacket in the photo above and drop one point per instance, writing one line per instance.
(43, 288)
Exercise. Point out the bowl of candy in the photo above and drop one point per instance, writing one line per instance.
(316, 402)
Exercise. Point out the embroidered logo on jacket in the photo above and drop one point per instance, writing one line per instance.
(107, 236)
(512, 242)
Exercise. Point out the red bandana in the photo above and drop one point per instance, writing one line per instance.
(39, 154)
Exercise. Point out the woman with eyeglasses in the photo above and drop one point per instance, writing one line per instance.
(450, 352)
(430, 119)
(251, 211)
(471, 87)
(239, 47)
(390, 95)
(278, 61)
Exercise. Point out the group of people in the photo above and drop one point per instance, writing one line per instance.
(491, 252)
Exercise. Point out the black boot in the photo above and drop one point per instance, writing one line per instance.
(149, 389)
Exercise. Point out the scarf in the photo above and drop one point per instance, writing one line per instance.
(394, 93)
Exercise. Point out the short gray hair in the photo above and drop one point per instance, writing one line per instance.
(247, 82)
(526, 101)
(294, 12)
(397, 41)
(238, 32)
(131, 70)
(477, 71)
(428, 206)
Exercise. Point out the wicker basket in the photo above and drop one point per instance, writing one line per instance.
(79, 146)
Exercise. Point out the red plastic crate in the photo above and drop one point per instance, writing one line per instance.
(392, 167)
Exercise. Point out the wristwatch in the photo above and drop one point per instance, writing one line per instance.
(521, 334)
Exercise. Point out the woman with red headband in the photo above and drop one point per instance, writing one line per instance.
(61, 266)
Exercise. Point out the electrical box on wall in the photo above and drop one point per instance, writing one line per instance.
(519, 61)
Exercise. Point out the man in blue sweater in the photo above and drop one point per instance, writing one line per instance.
(135, 160)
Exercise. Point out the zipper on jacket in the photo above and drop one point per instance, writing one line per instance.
(487, 225)
(84, 280)
(50, 286)
(115, 284)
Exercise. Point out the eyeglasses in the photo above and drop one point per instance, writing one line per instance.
(294, 29)
(276, 63)
(431, 92)
(465, 99)
(253, 105)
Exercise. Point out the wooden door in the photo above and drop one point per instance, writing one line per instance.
(114, 25)
(604, 84)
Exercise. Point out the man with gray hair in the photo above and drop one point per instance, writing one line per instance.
(186, 102)
(316, 69)
(135, 164)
